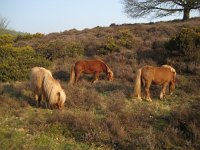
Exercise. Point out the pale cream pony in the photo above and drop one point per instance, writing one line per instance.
(47, 88)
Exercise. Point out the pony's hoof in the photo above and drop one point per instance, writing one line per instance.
(137, 99)
(149, 99)
(161, 96)
(95, 81)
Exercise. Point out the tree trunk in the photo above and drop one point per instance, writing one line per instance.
(186, 14)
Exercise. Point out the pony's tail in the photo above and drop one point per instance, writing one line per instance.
(137, 88)
(72, 75)
(174, 76)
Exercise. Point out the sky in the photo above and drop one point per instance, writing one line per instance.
(46, 16)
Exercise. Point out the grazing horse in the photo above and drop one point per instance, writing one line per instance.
(146, 75)
(47, 88)
(94, 67)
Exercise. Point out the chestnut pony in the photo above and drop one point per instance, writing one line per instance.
(146, 75)
(94, 67)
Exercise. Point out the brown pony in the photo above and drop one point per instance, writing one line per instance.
(146, 75)
(94, 67)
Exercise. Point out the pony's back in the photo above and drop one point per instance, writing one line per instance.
(37, 76)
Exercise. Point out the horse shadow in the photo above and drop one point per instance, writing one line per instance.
(62, 75)
(112, 87)
(155, 55)
(16, 93)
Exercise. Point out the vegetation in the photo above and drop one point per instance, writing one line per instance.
(103, 115)
(16, 62)
(185, 47)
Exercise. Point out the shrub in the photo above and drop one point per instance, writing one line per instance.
(185, 45)
(117, 102)
(73, 49)
(110, 46)
(60, 49)
(80, 97)
(6, 39)
(28, 36)
(125, 38)
(15, 63)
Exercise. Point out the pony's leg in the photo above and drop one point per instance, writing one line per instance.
(96, 77)
(139, 97)
(48, 105)
(39, 100)
(36, 98)
(147, 87)
(59, 106)
(77, 76)
(163, 91)
(51, 106)
(44, 99)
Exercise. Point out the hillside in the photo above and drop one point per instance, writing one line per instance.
(103, 115)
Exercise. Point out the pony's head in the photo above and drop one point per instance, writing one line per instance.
(109, 75)
(173, 80)
(61, 97)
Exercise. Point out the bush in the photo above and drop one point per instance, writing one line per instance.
(60, 49)
(110, 46)
(185, 45)
(73, 49)
(15, 63)
(125, 38)
(28, 36)
(6, 39)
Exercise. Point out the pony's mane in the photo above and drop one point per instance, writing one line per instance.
(51, 87)
(170, 67)
(45, 71)
(108, 69)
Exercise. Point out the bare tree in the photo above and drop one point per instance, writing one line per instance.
(160, 8)
(3, 23)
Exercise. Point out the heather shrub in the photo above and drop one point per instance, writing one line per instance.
(82, 98)
(184, 121)
(93, 47)
(117, 102)
(115, 128)
(83, 126)
(123, 64)
(190, 87)
(15, 63)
